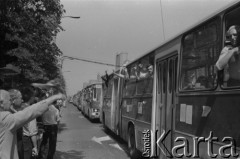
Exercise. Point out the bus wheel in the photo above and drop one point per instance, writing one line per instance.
(89, 117)
(103, 121)
(131, 143)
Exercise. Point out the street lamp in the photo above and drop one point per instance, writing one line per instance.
(74, 17)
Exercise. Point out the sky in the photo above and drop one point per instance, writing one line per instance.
(109, 27)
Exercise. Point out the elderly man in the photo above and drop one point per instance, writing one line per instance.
(16, 102)
(9, 122)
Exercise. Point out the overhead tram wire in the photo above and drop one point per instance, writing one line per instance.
(91, 61)
(162, 20)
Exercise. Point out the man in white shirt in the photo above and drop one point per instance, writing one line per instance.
(50, 120)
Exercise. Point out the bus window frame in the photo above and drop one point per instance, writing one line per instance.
(170, 74)
(94, 93)
(224, 30)
(137, 78)
(160, 67)
(219, 38)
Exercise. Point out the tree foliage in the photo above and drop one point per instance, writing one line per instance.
(34, 25)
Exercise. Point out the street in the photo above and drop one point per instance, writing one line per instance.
(79, 138)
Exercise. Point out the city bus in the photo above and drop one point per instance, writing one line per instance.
(91, 100)
(80, 100)
(195, 108)
(184, 107)
(127, 101)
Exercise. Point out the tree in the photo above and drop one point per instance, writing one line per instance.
(33, 25)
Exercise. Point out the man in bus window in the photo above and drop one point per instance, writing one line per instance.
(229, 57)
(190, 81)
(150, 70)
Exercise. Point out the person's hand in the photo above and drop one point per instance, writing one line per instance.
(236, 50)
(60, 96)
(34, 152)
(40, 136)
(13, 110)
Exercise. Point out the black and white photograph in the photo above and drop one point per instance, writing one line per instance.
(119, 79)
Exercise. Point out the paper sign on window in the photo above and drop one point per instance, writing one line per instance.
(183, 112)
(206, 111)
(189, 114)
(129, 108)
(140, 105)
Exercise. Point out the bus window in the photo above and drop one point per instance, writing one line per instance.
(109, 89)
(232, 69)
(129, 88)
(170, 75)
(175, 75)
(164, 77)
(161, 80)
(94, 94)
(133, 72)
(145, 76)
(158, 77)
(199, 54)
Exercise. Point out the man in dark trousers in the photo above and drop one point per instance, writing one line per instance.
(50, 120)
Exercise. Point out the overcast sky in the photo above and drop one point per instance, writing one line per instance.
(109, 27)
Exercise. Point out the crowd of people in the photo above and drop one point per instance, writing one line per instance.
(29, 119)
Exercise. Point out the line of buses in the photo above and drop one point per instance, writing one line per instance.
(175, 88)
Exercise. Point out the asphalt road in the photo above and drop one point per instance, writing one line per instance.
(79, 138)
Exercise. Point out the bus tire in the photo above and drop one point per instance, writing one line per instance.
(132, 143)
(103, 121)
(89, 117)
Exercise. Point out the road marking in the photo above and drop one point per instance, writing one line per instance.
(101, 139)
(116, 146)
(80, 116)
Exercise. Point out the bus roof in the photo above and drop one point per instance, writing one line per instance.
(204, 19)
(92, 84)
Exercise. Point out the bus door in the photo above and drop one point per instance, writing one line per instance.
(166, 92)
(113, 104)
(116, 105)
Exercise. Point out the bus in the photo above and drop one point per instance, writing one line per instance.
(91, 100)
(75, 100)
(127, 101)
(194, 104)
(184, 108)
(80, 100)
